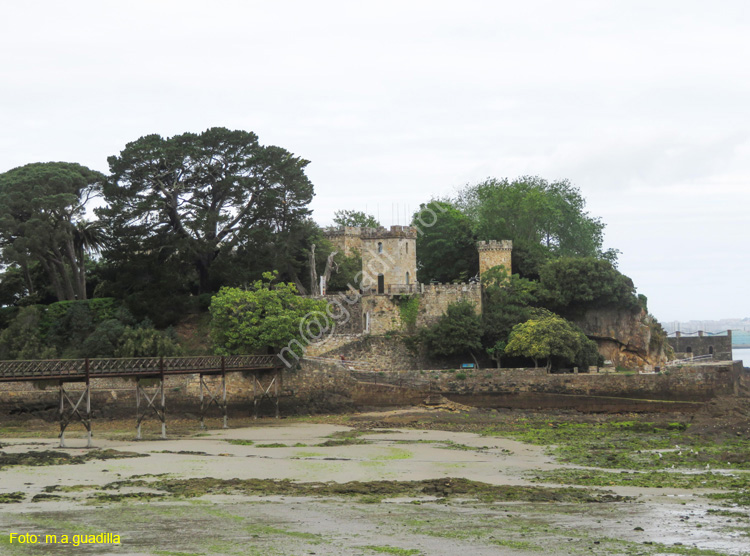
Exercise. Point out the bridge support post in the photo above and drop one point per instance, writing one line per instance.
(203, 407)
(207, 398)
(158, 408)
(265, 391)
(68, 415)
(224, 391)
(88, 404)
(276, 383)
(163, 401)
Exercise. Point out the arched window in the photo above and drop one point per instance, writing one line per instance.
(710, 350)
(688, 350)
(380, 246)
(407, 278)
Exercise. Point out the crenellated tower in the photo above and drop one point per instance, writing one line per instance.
(345, 238)
(389, 259)
(494, 253)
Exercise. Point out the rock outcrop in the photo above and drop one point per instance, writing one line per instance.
(628, 339)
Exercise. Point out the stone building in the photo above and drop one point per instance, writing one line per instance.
(389, 260)
(391, 298)
(699, 343)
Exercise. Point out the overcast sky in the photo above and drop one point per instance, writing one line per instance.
(642, 105)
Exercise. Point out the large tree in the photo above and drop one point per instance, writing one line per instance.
(205, 193)
(457, 332)
(569, 286)
(553, 339)
(507, 300)
(42, 208)
(355, 219)
(544, 219)
(446, 247)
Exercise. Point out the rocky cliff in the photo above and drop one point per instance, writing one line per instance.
(628, 339)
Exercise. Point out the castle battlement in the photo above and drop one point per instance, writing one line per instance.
(405, 232)
(495, 245)
(343, 231)
(439, 286)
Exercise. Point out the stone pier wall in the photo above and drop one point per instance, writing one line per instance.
(690, 383)
(319, 386)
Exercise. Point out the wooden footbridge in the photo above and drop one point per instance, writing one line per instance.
(149, 394)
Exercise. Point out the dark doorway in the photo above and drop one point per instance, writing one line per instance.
(381, 283)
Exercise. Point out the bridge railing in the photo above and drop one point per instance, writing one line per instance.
(39, 368)
(688, 361)
(102, 367)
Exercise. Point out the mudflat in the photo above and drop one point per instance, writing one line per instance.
(412, 481)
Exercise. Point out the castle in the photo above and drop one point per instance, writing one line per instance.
(388, 283)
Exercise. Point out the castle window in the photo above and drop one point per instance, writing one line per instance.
(710, 350)
(407, 252)
(688, 350)
(407, 278)
(381, 283)
(380, 246)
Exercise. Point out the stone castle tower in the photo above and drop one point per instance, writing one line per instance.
(389, 259)
(494, 253)
(345, 238)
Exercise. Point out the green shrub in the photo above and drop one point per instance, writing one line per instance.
(408, 306)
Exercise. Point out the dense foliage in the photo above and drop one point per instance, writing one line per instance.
(508, 301)
(559, 265)
(348, 270)
(268, 317)
(572, 285)
(77, 329)
(458, 332)
(204, 194)
(544, 219)
(446, 249)
(355, 219)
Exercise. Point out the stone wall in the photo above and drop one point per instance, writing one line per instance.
(323, 380)
(331, 386)
(329, 344)
(385, 313)
(435, 299)
(345, 309)
(381, 313)
(390, 353)
(693, 383)
(720, 346)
